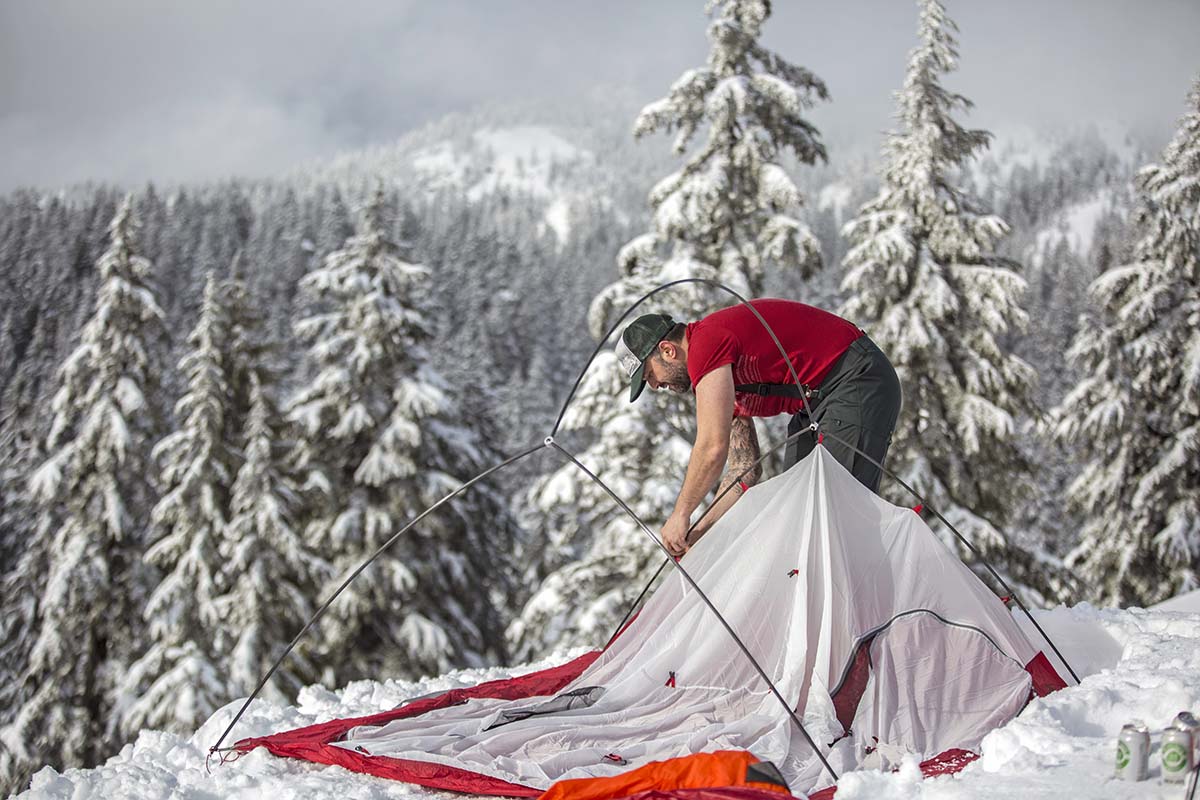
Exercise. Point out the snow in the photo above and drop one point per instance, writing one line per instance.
(440, 164)
(1134, 664)
(1188, 603)
(1021, 146)
(527, 141)
(1076, 225)
(558, 218)
(835, 196)
(521, 159)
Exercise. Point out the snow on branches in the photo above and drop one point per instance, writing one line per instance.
(926, 282)
(1136, 414)
(379, 436)
(731, 204)
(94, 496)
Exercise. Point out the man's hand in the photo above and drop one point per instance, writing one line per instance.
(674, 535)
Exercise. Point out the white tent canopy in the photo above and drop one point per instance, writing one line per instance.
(851, 605)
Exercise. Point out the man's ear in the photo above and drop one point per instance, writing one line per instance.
(667, 350)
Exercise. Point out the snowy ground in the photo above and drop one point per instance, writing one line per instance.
(1134, 664)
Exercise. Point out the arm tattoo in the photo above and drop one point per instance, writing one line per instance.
(743, 452)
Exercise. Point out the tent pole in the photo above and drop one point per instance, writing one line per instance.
(321, 611)
(714, 284)
(750, 656)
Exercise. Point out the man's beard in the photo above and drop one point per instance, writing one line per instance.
(675, 377)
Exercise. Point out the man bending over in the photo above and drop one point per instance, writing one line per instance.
(730, 361)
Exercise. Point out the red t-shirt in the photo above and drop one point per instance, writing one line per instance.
(813, 338)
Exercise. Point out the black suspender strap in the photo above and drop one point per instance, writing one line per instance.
(775, 390)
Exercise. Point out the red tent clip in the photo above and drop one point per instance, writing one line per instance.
(616, 759)
(670, 681)
(793, 573)
(917, 508)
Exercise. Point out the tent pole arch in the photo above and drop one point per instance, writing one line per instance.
(549, 442)
(707, 282)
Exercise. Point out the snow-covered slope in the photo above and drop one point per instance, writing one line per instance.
(1135, 664)
(1075, 225)
(479, 158)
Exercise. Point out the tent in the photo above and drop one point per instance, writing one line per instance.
(879, 638)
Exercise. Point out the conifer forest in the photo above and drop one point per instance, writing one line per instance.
(218, 398)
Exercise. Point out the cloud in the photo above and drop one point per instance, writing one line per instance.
(233, 135)
(132, 90)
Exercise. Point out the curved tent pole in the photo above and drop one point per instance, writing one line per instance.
(691, 582)
(716, 285)
(325, 606)
(549, 441)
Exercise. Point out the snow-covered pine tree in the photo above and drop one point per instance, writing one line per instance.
(271, 572)
(251, 353)
(93, 492)
(179, 679)
(924, 280)
(1136, 413)
(384, 440)
(726, 214)
(732, 206)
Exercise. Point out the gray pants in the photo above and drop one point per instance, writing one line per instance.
(856, 406)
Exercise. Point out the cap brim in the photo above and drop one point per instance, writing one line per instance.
(637, 382)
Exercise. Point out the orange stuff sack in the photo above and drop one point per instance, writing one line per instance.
(723, 769)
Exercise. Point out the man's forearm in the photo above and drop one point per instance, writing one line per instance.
(744, 455)
(743, 466)
(704, 468)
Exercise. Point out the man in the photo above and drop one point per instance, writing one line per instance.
(737, 372)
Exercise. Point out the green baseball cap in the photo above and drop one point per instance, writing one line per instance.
(637, 344)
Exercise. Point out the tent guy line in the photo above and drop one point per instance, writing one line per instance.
(550, 442)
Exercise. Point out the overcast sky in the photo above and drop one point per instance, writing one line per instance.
(175, 90)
